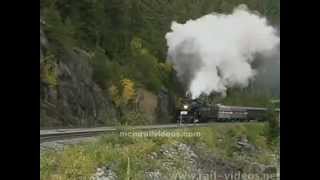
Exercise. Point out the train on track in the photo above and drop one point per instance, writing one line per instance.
(192, 111)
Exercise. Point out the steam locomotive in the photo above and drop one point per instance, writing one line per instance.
(193, 111)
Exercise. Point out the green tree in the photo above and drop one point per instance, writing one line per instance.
(58, 30)
(102, 68)
(273, 130)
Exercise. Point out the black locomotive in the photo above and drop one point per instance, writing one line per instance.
(193, 111)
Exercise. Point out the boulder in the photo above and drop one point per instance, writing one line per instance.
(104, 173)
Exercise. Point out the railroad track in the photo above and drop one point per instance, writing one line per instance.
(60, 134)
(70, 135)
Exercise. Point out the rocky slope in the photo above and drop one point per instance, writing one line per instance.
(75, 100)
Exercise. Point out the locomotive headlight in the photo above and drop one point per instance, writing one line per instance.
(185, 107)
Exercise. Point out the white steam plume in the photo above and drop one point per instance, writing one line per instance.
(215, 51)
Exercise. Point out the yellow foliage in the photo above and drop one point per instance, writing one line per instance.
(128, 92)
(48, 72)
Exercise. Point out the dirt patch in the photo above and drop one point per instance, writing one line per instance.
(147, 102)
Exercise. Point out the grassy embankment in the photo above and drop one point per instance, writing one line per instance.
(128, 156)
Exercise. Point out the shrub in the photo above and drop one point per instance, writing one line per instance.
(128, 91)
(101, 68)
(75, 163)
(135, 118)
(48, 164)
(124, 94)
(273, 128)
(48, 72)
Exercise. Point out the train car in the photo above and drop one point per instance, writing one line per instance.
(256, 113)
(193, 111)
(206, 113)
(231, 113)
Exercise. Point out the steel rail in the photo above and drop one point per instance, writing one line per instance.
(60, 134)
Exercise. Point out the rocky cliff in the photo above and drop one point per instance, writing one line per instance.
(74, 100)
(70, 98)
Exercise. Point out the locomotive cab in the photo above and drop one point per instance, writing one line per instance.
(187, 112)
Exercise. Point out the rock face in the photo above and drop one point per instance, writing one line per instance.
(157, 107)
(165, 107)
(76, 100)
(147, 102)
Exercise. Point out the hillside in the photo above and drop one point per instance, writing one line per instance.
(103, 62)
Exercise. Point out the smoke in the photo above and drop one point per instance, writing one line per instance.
(216, 51)
(268, 72)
